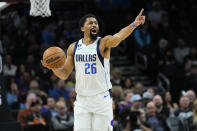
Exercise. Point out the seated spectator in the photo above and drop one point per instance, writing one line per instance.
(126, 102)
(129, 113)
(152, 118)
(50, 109)
(184, 113)
(138, 88)
(12, 95)
(147, 97)
(9, 68)
(23, 113)
(116, 76)
(127, 84)
(192, 54)
(192, 96)
(184, 109)
(71, 100)
(190, 80)
(63, 121)
(151, 90)
(35, 121)
(181, 51)
(117, 93)
(34, 87)
(162, 111)
(168, 103)
(60, 91)
(48, 35)
(116, 124)
(155, 15)
(142, 37)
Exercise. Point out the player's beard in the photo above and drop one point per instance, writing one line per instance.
(93, 36)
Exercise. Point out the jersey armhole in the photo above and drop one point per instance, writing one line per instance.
(101, 58)
(75, 49)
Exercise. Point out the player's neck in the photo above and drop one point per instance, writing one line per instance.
(88, 40)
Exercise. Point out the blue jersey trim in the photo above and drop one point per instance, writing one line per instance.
(99, 53)
(75, 49)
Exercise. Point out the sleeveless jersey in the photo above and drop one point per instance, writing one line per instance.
(92, 70)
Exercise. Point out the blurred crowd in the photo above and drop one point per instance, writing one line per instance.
(40, 101)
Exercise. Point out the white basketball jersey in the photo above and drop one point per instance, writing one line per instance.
(92, 70)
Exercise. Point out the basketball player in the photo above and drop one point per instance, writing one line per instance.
(90, 57)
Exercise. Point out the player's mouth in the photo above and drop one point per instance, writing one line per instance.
(93, 31)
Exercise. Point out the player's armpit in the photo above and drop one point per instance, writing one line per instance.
(65, 71)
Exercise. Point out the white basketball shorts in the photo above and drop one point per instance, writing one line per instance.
(93, 113)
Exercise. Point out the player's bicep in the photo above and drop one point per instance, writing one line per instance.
(69, 63)
(111, 41)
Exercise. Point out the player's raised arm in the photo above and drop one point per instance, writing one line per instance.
(114, 40)
(67, 68)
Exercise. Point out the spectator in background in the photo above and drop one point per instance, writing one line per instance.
(116, 76)
(60, 90)
(138, 88)
(162, 112)
(191, 78)
(126, 102)
(152, 117)
(168, 103)
(151, 90)
(184, 107)
(192, 96)
(147, 97)
(23, 82)
(155, 15)
(63, 121)
(128, 114)
(181, 51)
(23, 113)
(9, 68)
(127, 84)
(12, 95)
(50, 107)
(35, 121)
(142, 37)
(192, 54)
(117, 93)
(184, 113)
(71, 100)
(34, 87)
(48, 35)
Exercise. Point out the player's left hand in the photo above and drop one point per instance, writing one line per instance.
(140, 19)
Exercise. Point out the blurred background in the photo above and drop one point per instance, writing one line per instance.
(153, 71)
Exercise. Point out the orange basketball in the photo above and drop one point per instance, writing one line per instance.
(54, 57)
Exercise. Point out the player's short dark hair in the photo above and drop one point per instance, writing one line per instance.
(83, 19)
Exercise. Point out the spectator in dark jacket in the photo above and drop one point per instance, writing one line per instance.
(63, 121)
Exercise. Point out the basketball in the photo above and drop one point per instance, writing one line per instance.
(54, 57)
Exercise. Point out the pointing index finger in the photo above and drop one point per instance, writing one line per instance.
(142, 10)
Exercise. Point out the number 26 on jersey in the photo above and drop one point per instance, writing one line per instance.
(90, 68)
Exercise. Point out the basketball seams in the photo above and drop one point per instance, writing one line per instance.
(52, 54)
(54, 57)
(56, 61)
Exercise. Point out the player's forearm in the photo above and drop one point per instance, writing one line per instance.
(61, 73)
(120, 36)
